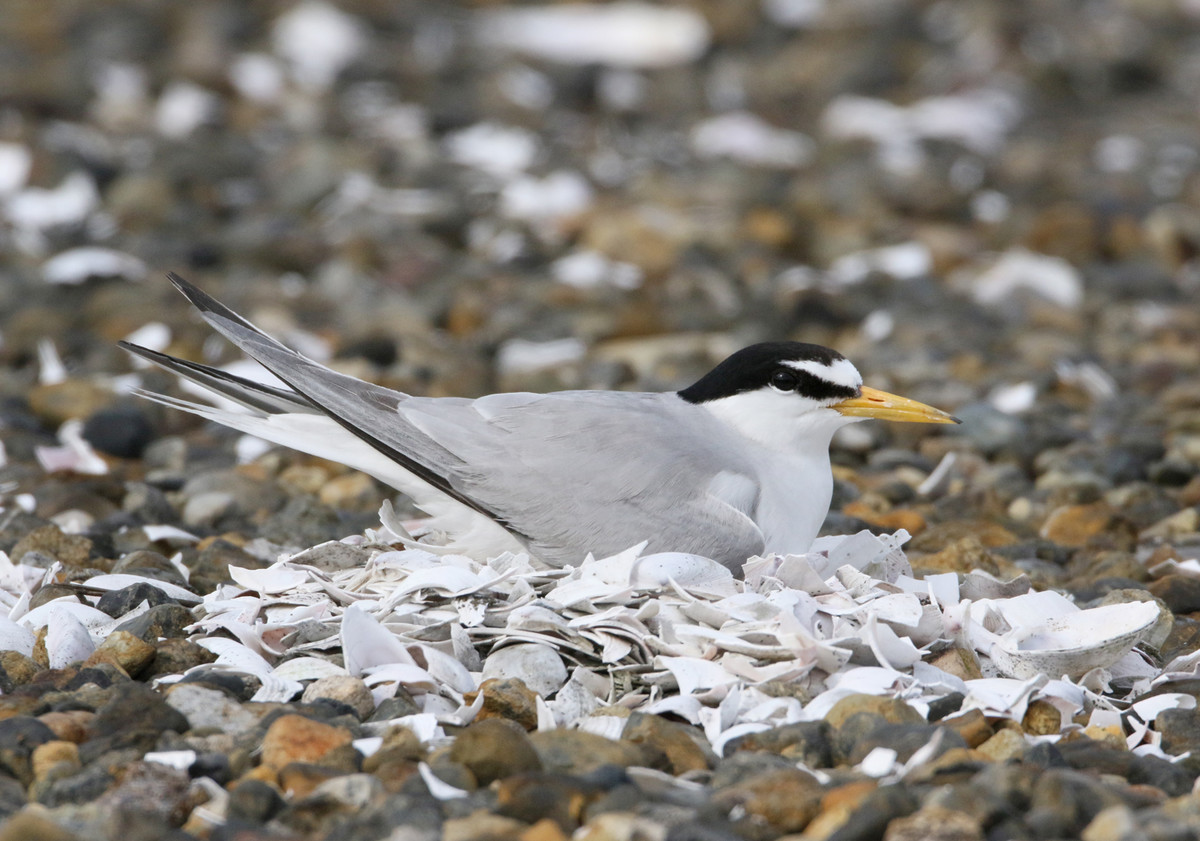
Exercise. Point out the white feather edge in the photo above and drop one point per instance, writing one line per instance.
(471, 533)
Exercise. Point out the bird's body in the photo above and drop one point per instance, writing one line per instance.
(726, 469)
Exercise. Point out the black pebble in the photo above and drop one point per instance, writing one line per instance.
(378, 350)
(254, 802)
(215, 766)
(947, 705)
(122, 431)
(119, 602)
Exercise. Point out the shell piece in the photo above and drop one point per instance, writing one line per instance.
(625, 34)
(67, 640)
(661, 633)
(447, 671)
(689, 571)
(169, 533)
(180, 760)
(1075, 643)
(366, 643)
(14, 637)
(273, 580)
(47, 614)
(693, 673)
(440, 789)
(540, 666)
(307, 668)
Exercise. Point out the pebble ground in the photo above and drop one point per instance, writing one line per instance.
(988, 207)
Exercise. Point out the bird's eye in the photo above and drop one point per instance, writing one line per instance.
(784, 380)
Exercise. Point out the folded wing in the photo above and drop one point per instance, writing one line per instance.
(564, 473)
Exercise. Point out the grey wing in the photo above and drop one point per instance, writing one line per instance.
(564, 473)
(368, 411)
(601, 471)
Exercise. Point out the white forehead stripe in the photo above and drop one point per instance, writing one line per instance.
(841, 372)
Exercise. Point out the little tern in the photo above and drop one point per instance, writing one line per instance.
(732, 466)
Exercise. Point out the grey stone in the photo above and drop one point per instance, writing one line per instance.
(207, 708)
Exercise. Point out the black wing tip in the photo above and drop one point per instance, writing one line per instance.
(165, 360)
(207, 304)
(197, 296)
(138, 350)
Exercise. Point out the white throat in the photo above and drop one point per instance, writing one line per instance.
(792, 461)
(779, 421)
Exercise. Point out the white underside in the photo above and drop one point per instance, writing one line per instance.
(467, 531)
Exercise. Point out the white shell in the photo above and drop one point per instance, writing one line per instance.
(1076, 643)
(540, 666)
(659, 570)
(14, 637)
(67, 640)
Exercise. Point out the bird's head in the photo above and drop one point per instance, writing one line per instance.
(789, 394)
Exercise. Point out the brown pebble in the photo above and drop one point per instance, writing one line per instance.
(482, 826)
(70, 725)
(397, 758)
(934, 823)
(31, 824)
(535, 797)
(124, 650)
(785, 800)
(1180, 593)
(1042, 719)
(889, 709)
(579, 752)
(49, 754)
(543, 830)
(294, 738)
(72, 550)
(19, 668)
(767, 226)
(1189, 494)
(972, 726)
(939, 536)
(56, 403)
(684, 746)
(899, 518)
(964, 556)
(506, 698)
(1113, 736)
(390, 768)
(493, 749)
(262, 774)
(837, 805)
(960, 662)
(175, 655)
(1075, 525)
(352, 491)
(1006, 744)
(40, 656)
(299, 779)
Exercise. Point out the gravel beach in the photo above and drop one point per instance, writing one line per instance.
(990, 208)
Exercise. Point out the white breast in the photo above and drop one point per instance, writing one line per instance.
(794, 500)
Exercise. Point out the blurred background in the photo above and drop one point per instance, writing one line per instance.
(991, 207)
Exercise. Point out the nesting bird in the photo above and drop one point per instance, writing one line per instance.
(736, 464)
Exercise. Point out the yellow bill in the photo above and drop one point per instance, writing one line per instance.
(873, 403)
